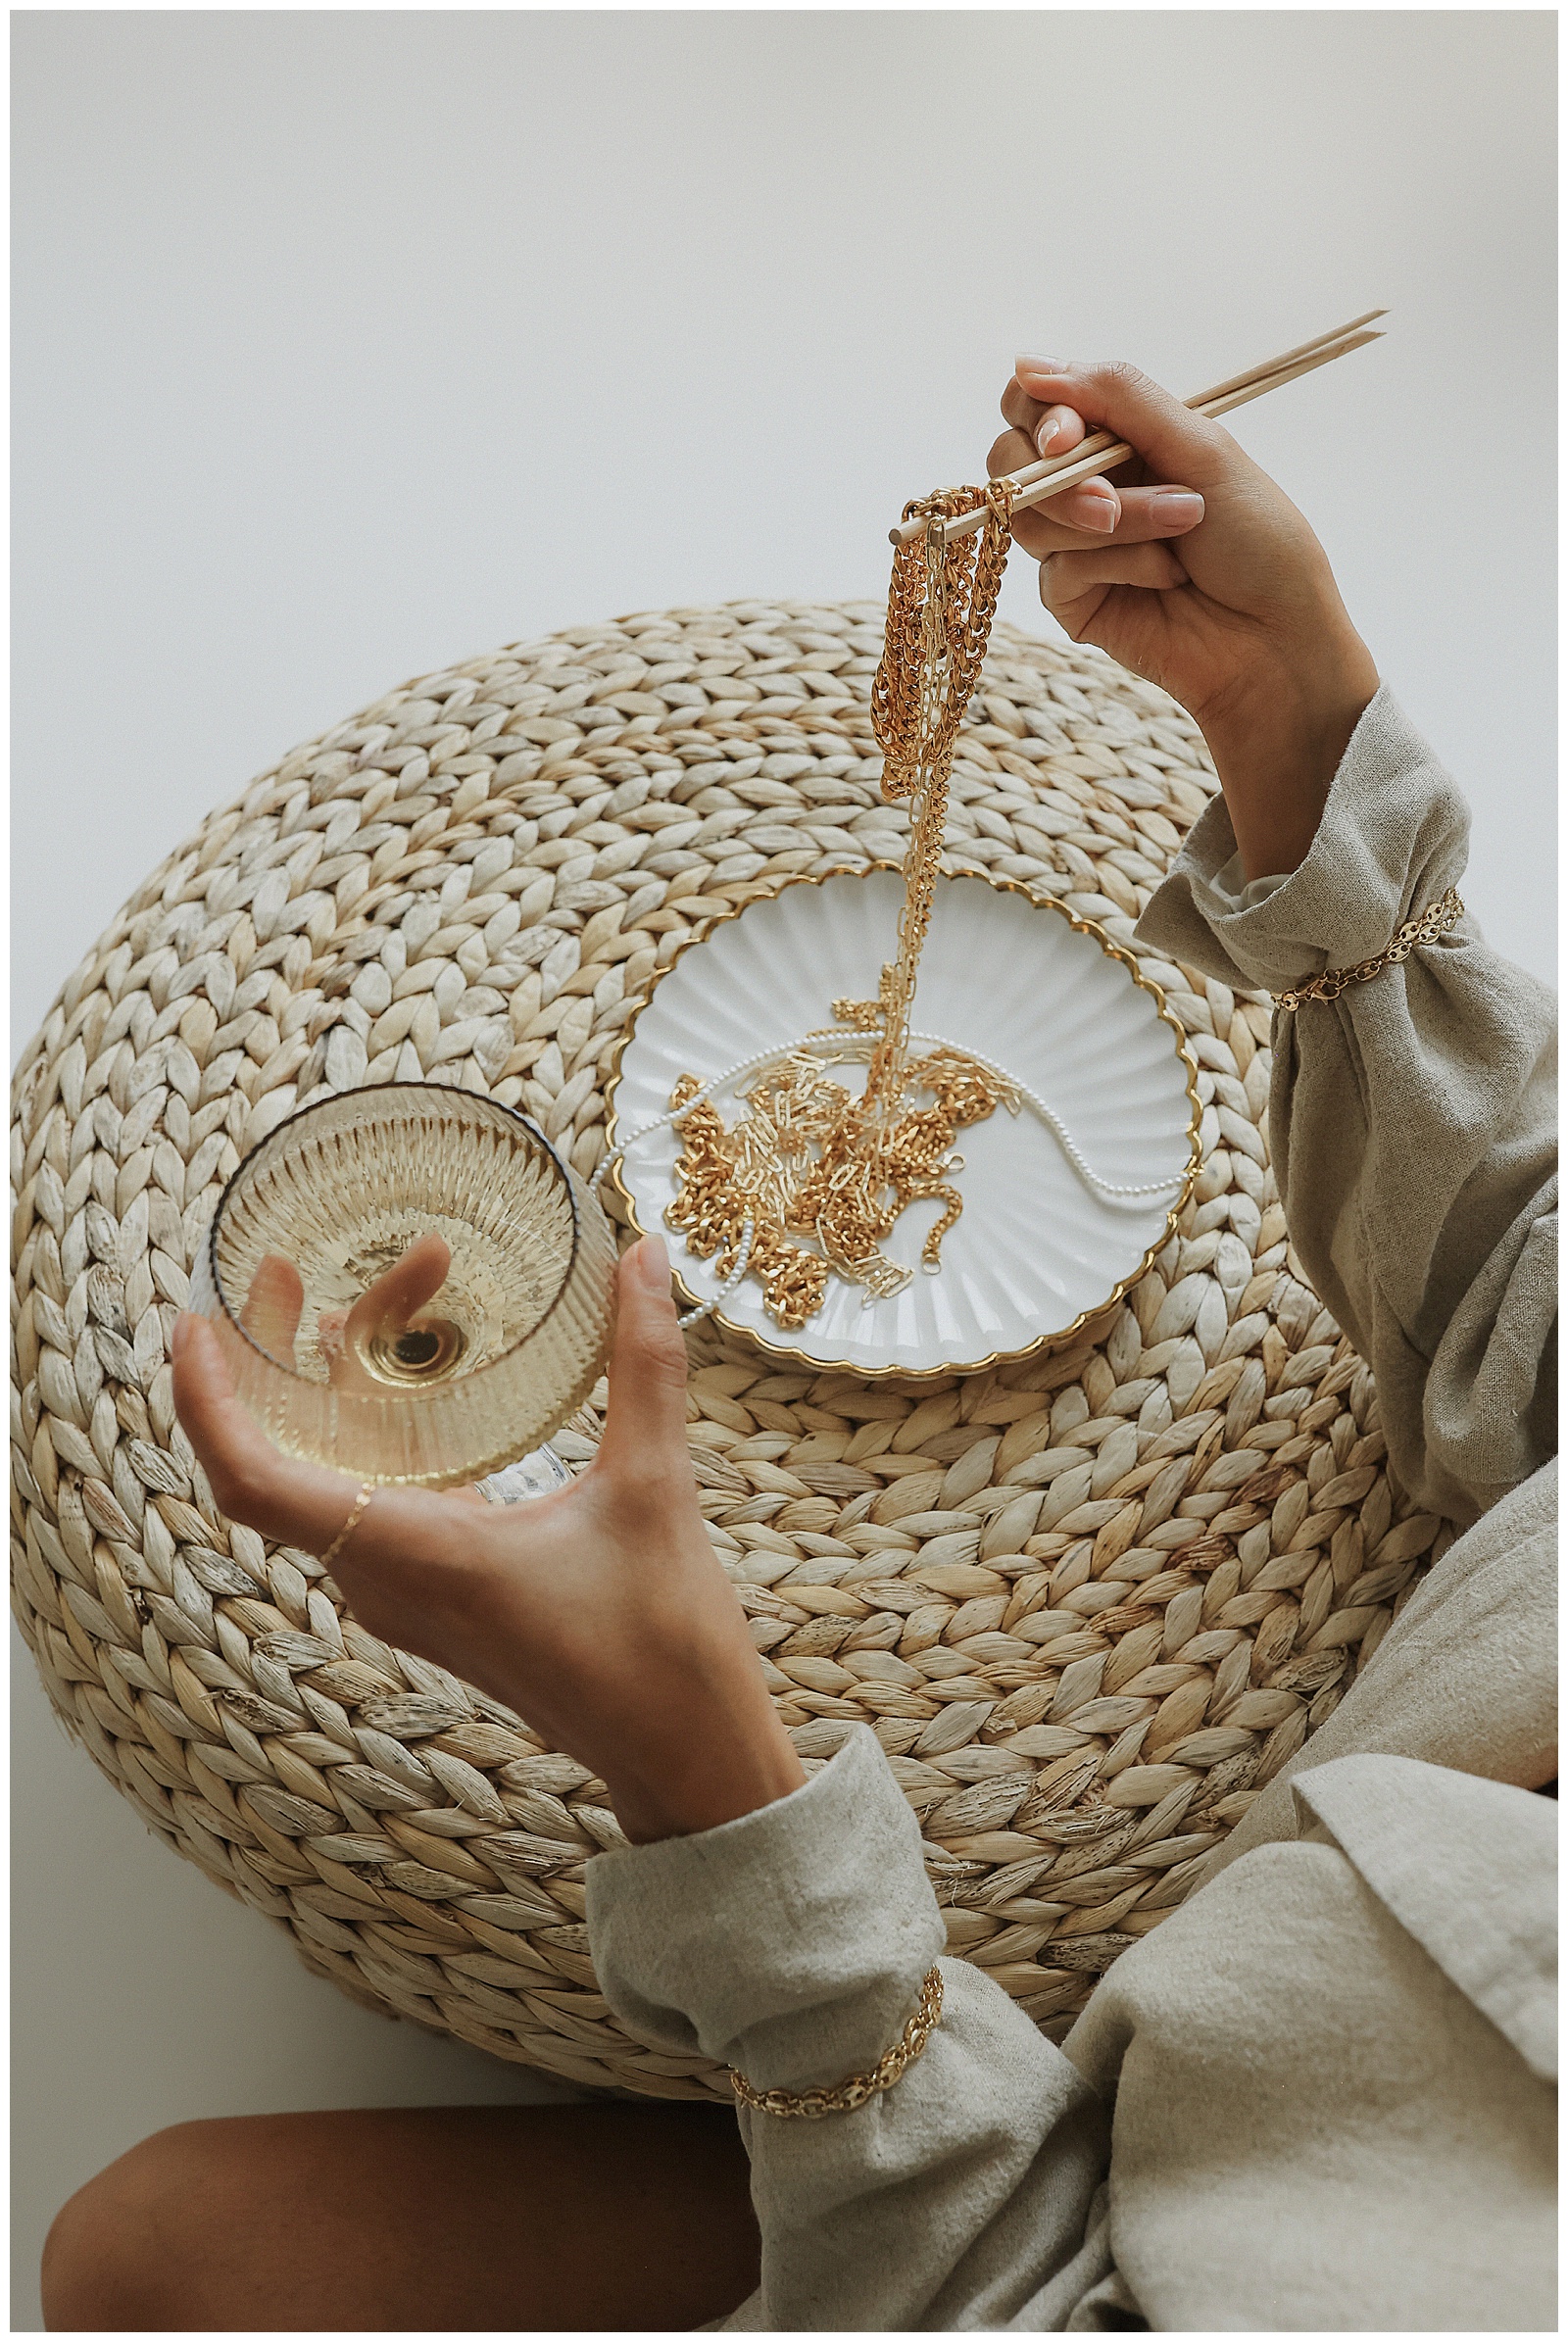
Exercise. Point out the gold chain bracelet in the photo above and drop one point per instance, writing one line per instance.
(1435, 920)
(360, 1502)
(846, 2096)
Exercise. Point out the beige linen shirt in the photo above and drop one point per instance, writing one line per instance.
(1322, 2095)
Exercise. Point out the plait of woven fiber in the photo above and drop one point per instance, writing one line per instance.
(1089, 1602)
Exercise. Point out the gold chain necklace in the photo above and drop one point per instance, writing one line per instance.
(814, 1175)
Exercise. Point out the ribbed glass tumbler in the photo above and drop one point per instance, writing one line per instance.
(411, 1285)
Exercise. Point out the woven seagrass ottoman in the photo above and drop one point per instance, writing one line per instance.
(1161, 1554)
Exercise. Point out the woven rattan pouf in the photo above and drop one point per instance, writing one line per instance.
(1088, 1602)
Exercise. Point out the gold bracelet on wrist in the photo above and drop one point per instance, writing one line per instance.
(844, 2096)
(367, 1492)
(1435, 920)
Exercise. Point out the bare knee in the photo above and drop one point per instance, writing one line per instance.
(114, 2260)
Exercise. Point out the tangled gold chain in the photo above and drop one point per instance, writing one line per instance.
(1425, 928)
(808, 1160)
(846, 2096)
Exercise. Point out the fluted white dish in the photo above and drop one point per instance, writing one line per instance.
(1046, 997)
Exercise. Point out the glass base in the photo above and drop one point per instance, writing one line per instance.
(538, 1474)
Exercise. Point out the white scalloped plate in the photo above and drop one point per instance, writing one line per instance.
(1047, 996)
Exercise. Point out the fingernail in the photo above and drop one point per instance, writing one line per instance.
(1047, 433)
(1098, 512)
(1177, 507)
(1043, 365)
(652, 1264)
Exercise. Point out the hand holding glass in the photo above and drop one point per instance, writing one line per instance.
(410, 1285)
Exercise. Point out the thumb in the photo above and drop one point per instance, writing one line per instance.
(406, 1287)
(645, 1423)
(1175, 443)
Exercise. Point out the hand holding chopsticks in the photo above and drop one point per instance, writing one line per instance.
(1195, 572)
(1036, 482)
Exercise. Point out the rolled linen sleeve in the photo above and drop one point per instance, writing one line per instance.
(1411, 1120)
(792, 1944)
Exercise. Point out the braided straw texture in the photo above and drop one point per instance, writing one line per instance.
(1089, 1602)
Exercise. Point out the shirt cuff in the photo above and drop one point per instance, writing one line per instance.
(790, 1943)
(1242, 893)
(1393, 839)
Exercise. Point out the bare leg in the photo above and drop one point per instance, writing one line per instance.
(447, 2219)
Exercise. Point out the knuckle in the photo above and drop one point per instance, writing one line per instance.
(1006, 453)
(1123, 374)
(659, 1355)
(665, 1477)
(649, 1492)
(228, 1489)
(239, 1490)
(1065, 606)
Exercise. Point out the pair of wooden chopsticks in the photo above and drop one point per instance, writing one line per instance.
(1099, 451)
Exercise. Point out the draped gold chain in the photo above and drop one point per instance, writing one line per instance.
(820, 1174)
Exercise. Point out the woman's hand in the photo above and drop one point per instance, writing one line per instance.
(600, 1613)
(1193, 570)
(276, 1304)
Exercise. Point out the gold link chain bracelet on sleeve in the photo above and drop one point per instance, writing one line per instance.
(1435, 920)
(844, 2096)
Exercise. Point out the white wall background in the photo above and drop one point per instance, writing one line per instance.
(350, 343)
